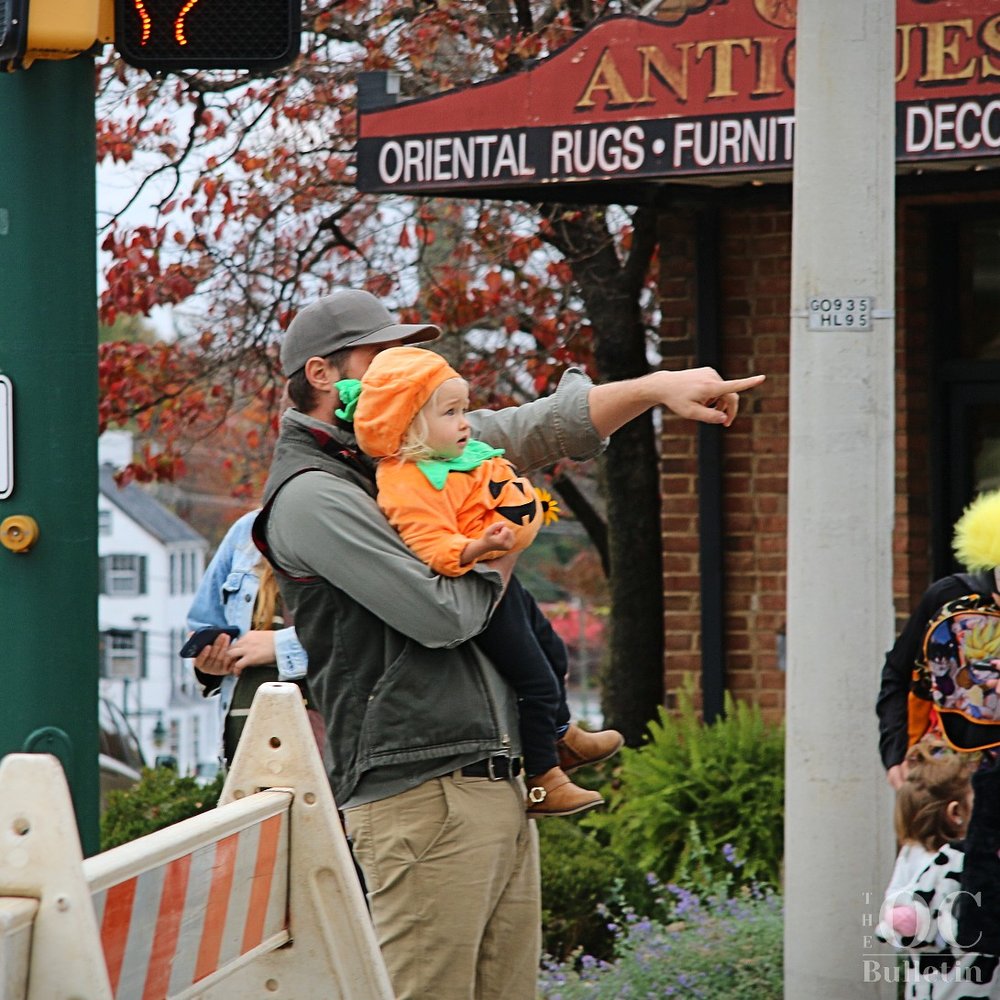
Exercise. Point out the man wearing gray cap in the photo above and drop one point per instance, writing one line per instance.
(421, 730)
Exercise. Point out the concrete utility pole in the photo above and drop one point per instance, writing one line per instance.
(48, 465)
(838, 836)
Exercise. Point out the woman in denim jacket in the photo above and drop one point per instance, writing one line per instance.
(228, 595)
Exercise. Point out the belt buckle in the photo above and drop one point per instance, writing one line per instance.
(491, 773)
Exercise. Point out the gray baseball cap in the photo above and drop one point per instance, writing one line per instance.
(346, 318)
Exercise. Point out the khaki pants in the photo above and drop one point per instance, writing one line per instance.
(451, 868)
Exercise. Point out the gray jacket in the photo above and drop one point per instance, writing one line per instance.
(405, 695)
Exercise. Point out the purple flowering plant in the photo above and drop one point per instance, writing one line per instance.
(721, 941)
(699, 807)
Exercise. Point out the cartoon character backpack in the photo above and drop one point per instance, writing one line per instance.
(961, 652)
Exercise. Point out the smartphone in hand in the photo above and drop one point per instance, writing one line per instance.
(197, 641)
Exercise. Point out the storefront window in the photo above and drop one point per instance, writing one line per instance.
(980, 306)
(981, 341)
(965, 386)
(984, 425)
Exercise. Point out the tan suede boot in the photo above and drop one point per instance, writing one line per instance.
(577, 747)
(553, 794)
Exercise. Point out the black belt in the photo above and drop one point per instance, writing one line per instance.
(496, 768)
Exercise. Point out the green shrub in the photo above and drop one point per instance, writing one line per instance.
(160, 798)
(693, 789)
(579, 877)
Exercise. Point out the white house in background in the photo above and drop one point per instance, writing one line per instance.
(151, 563)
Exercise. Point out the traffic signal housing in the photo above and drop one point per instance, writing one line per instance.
(166, 35)
(51, 29)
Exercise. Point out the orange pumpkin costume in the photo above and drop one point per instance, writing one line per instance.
(437, 506)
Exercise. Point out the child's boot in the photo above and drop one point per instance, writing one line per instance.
(553, 794)
(578, 747)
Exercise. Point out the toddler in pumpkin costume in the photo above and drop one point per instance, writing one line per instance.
(455, 501)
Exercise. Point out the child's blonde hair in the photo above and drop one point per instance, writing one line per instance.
(414, 444)
(936, 776)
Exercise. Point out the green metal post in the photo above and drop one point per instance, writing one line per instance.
(48, 351)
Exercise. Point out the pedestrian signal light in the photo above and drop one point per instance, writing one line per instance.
(165, 35)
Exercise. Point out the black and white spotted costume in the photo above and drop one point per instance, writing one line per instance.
(937, 967)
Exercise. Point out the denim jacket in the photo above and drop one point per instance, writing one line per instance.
(226, 596)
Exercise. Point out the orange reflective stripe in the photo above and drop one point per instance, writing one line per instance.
(114, 927)
(218, 904)
(168, 925)
(260, 893)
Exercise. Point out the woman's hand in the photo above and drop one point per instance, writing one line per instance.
(255, 649)
(215, 659)
(232, 656)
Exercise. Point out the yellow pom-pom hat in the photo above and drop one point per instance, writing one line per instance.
(977, 533)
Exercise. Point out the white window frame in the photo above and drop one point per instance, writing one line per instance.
(123, 580)
(123, 654)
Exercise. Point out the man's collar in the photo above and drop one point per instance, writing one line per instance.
(330, 438)
(338, 432)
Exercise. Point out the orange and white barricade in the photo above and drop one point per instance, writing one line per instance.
(256, 899)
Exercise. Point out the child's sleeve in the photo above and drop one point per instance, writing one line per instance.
(425, 521)
(920, 915)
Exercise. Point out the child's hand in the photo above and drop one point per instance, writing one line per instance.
(499, 538)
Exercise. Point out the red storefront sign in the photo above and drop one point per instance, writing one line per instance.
(709, 93)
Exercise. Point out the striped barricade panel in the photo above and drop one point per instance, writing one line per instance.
(206, 898)
(201, 909)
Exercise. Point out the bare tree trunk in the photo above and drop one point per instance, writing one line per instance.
(633, 681)
(633, 684)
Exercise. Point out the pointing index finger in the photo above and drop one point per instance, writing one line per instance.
(740, 384)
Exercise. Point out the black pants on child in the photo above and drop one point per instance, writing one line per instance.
(532, 659)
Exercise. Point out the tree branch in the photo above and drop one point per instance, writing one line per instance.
(587, 514)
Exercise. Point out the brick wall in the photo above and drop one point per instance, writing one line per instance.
(755, 258)
(911, 535)
(678, 452)
(754, 276)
